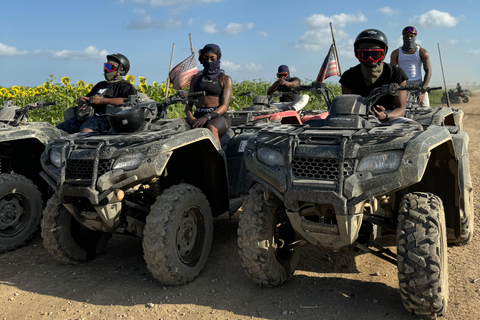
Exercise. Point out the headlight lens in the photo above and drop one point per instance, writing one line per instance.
(55, 157)
(129, 161)
(270, 157)
(381, 162)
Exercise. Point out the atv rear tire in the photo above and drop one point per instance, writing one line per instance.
(465, 99)
(457, 99)
(21, 209)
(422, 254)
(178, 235)
(264, 236)
(66, 239)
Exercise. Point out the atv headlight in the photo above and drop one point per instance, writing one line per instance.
(56, 157)
(381, 162)
(270, 157)
(129, 161)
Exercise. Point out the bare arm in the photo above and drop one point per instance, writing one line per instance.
(226, 95)
(394, 58)
(427, 67)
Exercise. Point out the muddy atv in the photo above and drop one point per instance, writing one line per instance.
(344, 183)
(439, 116)
(149, 177)
(22, 190)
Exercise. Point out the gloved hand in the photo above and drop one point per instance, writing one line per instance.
(84, 112)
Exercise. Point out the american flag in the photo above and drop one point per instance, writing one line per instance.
(183, 72)
(329, 66)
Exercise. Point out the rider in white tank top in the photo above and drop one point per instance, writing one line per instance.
(411, 64)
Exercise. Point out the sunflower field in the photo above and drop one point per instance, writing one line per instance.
(65, 94)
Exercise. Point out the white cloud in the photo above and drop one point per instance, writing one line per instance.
(474, 52)
(236, 28)
(388, 11)
(144, 20)
(263, 34)
(435, 18)
(89, 52)
(230, 65)
(209, 27)
(452, 41)
(10, 51)
(233, 67)
(318, 34)
(173, 3)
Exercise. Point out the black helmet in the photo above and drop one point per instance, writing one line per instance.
(124, 64)
(371, 35)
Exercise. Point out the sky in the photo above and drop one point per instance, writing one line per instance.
(41, 39)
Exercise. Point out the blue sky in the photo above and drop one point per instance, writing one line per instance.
(72, 38)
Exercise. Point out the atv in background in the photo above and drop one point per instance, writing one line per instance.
(455, 96)
(22, 190)
(262, 109)
(347, 181)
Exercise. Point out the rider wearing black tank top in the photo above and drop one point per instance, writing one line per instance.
(210, 110)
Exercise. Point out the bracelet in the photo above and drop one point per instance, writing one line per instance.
(387, 117)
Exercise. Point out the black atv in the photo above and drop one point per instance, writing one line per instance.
(22, 190)
(344, 182)
(455, 96)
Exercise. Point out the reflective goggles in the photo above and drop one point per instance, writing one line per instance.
(109, 67)
(411, 30)
(282, 74)
(370, 55)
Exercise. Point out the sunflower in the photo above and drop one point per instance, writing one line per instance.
(142, 80)
(130, 78)
(81, 84)
(66, 81)
(155, 84)
(3, 91)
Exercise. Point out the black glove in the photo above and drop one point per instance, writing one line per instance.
(84, 112)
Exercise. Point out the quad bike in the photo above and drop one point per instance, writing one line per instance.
(344, 182)
(455, 96)
(22, 190)
(262, 109)
(439, 116)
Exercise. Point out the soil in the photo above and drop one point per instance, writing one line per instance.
(326, 285)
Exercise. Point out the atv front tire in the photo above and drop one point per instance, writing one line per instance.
(422, 254)
(21, 209)
(264, 238)
(178, 235)
(66, 239)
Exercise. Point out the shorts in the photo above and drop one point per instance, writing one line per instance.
(95, 123)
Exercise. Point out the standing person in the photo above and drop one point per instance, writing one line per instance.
(291, 99)
(410, 58)
(210, 110)
(112, 91)
(370, 48)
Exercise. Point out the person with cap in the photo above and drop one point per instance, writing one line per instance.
(410, 57)
(371, 46)
(290, 98)
(112, 91)
(210, 110)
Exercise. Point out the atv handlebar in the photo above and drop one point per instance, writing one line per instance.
(392, 89)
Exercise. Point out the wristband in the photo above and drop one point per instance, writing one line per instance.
(387, 117)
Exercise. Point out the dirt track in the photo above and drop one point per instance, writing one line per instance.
(117, 284)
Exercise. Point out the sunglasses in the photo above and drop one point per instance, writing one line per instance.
(282, 74)
(109, 67)
(370, 55)
(411, 30)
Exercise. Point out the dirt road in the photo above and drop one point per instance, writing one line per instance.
(117, 284)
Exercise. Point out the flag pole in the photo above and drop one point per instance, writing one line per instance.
(443, 75)
(169, 69)
(335, 51)
(191, 45)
